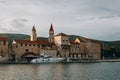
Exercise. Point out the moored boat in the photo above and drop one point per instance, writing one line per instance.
(47, 59)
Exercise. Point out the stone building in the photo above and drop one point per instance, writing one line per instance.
(63, 44)
(75, 49)
(93, 49)
(88, 48)
(56, 45)
(4, 46)
(28, 49)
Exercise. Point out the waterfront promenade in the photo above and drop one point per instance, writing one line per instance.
(82, 61)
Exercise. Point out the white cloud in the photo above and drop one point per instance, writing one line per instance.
(89, 18)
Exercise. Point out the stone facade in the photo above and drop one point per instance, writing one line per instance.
(86, 48)
(63, 45)
(56, 45)
(93, 50)
(4, 47)
(22, 48)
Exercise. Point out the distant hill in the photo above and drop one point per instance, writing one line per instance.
(108, 48)
(14, 37)
(18, 37)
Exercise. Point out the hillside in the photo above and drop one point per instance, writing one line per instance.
(108, 48)
(18, 37)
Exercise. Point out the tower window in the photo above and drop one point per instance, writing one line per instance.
(26, 49)
(33, 44)
(1, 51)
(21, 44)
(25, 44)
(4, 42)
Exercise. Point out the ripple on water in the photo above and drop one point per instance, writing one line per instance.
(73, 71)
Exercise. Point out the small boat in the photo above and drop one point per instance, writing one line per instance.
(47, 59)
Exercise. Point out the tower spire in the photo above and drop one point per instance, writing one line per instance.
(51, 28)
(33, 36)
(51, 34)
(33, 29)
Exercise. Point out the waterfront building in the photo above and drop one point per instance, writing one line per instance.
(57, 46)
(89, 48)
(63, 44)
(28, 49)
(75, 49)
(4, 47)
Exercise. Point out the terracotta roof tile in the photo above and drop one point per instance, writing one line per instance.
(4, 39)
(26, 41)
(41, 42)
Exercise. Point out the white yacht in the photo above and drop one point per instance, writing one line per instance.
(47, 59)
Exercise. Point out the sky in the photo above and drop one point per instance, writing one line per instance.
(96, 19)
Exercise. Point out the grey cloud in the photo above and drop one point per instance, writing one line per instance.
(111, 37)
(18, 23)
(105, 17)
(75, 16)
(3, 28)
(86, 19)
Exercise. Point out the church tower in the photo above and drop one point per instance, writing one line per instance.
(51, 34)
(33, 36)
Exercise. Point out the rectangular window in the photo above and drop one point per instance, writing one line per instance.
(25, 44)
(33, 44)
(0, 43)
(16, 46)
(38, 45)
(21, 44)
(4, 42)
(1, 51)
(26, 50)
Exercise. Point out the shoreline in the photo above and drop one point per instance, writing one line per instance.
(82, 61)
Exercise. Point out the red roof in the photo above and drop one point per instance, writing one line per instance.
(41, 42)
(51, 28)
(4, 39)
(26, 41)
(62, 34)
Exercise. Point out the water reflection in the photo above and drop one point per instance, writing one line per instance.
(59, 71)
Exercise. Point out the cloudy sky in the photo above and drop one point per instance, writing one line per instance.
(97, 19)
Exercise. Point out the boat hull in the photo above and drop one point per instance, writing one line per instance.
(47, 60)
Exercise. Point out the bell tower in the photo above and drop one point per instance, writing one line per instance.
(51, 34)
(33, 36)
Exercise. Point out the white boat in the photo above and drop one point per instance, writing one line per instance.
(47, 59)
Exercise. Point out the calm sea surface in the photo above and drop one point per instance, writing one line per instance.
(61, 71)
